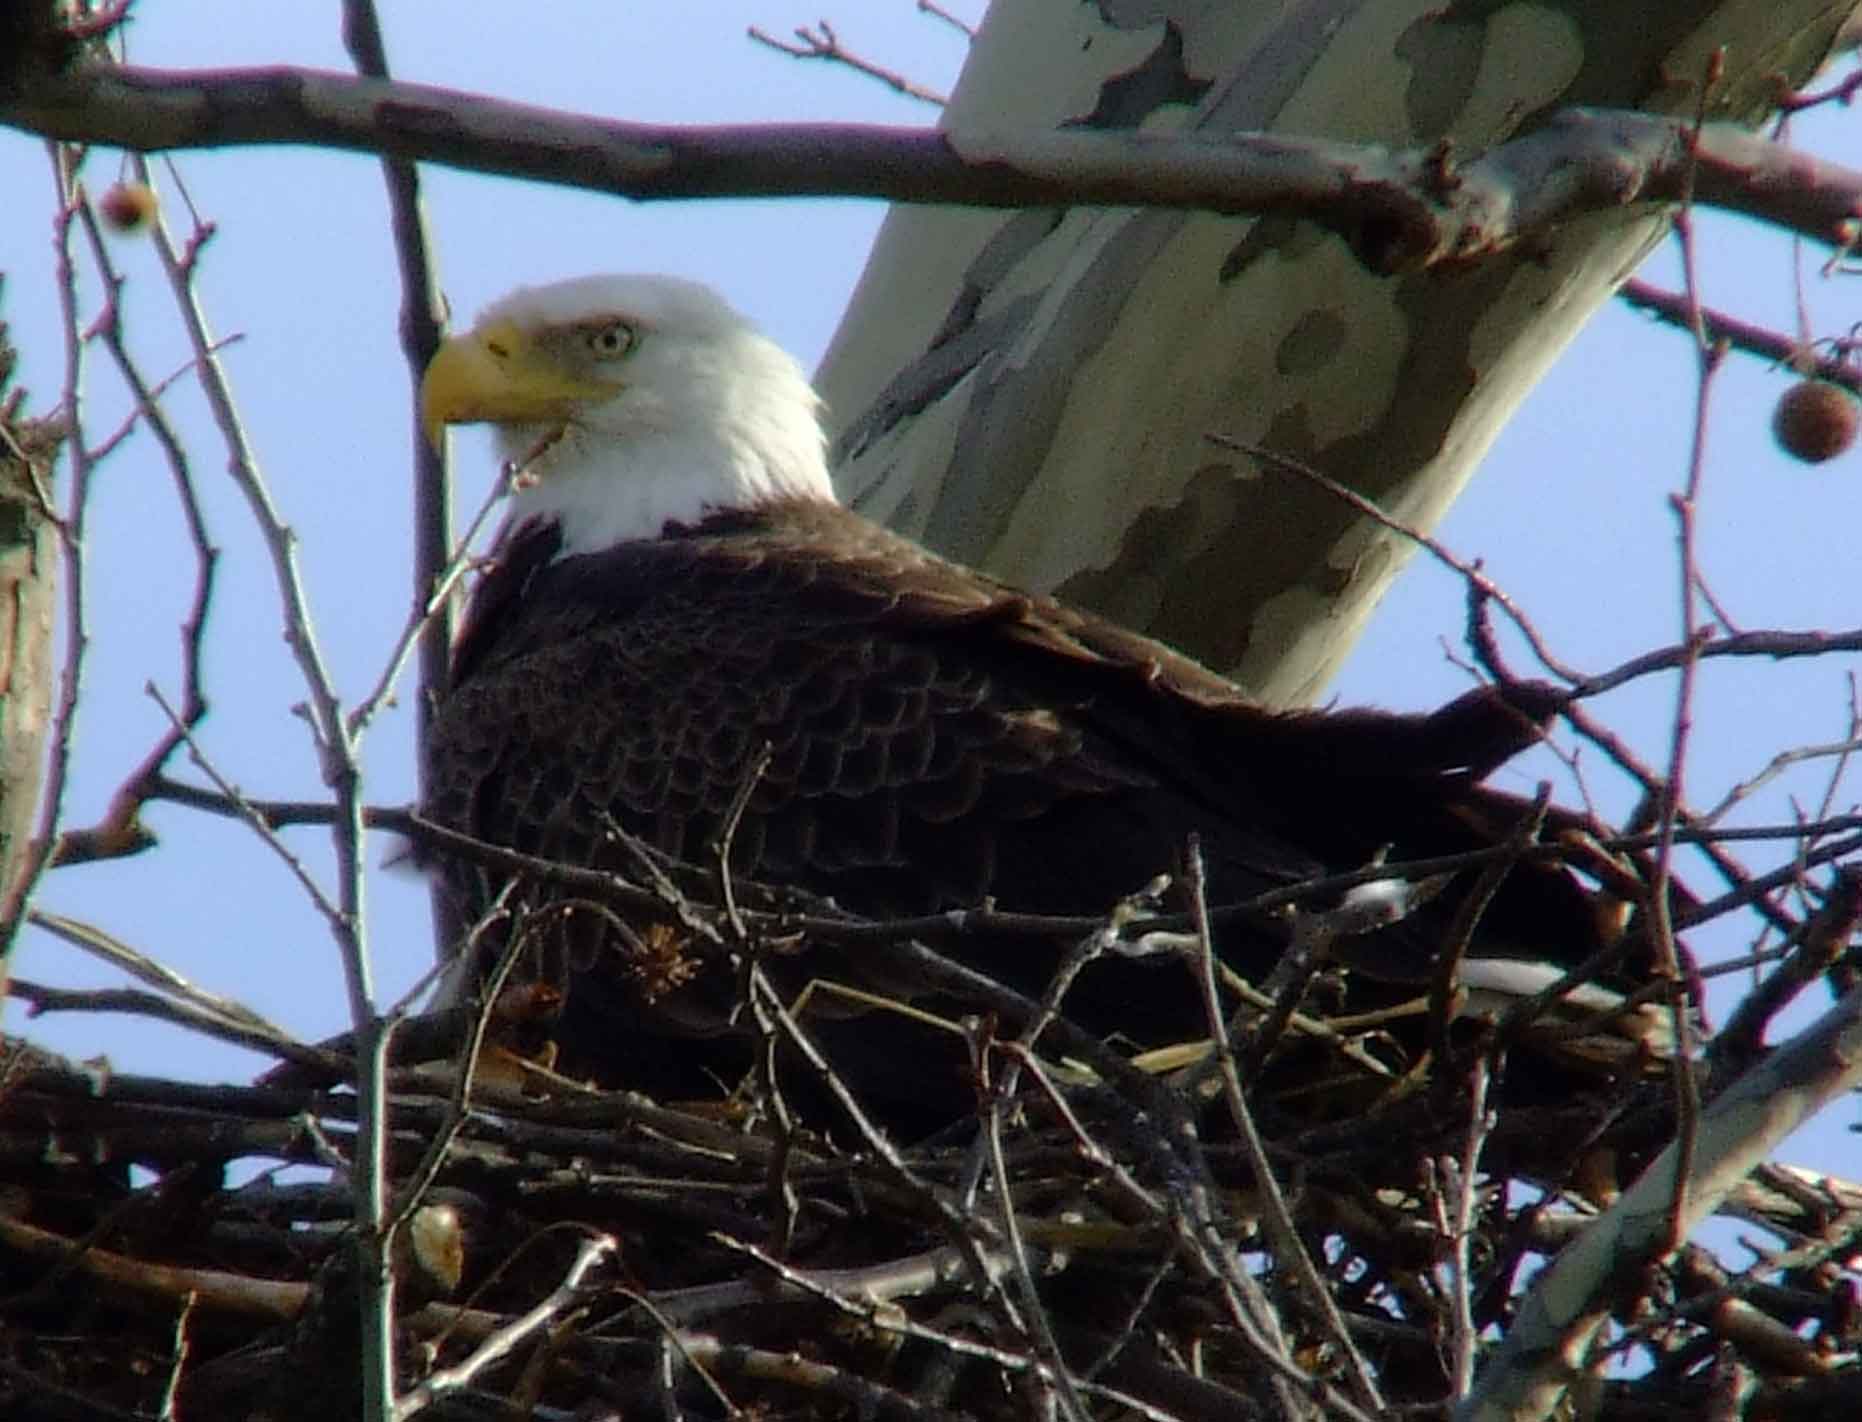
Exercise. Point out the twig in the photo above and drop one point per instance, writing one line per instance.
(339, 761)
(956, 22)
(269, 836)
(41, 999)
(422, 317)
(566, 1296)
(1290, 1250)
(118, 954)
(1034, 1320)
(1541, 1353)
(1456, 1223)
(875, 1316)
(177, 1360)
(1460, 935)
(1711, 355)
(1776, 766)
(1469, 572)
(432, 602)
(1825, 938)
(1675, 309)
(822, 43)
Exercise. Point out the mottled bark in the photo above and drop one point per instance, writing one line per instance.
(28, 584)
(1032, 392)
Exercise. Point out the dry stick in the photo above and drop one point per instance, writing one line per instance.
(177, 1360)
(1840, 751)
(1675, 309)
(565, 1297)
(422, 317)
(268, 835)
(1685, 832)
(235, 1293)
(727, 835)
(1687, 1088)
(856, 1395)
(937, 11)
(441, 1141)
(957, 923)
(120, 830)
(1004, 1089)
(860, 1397)
(1459, 1229)
(1291, 1252)
(942, 1206)
(1843, 758)
(1722, 1308)
(1116, 1171)
(342, 772)
(112, 950)
(434, 577)
(782, 1122)
(1040, 1327)
(40, 999)
(673, 1340)
(873, 1315)
(1545, 1350)
(431, 604)
(1197, 1231)
(822, 43)
(1825, 937)
(1460, 935)
(1753, 889)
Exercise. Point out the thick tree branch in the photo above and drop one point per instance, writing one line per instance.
(1400, 210)
(1545, 1350)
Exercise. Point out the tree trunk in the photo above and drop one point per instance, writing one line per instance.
(28, 585)
(1032, 392)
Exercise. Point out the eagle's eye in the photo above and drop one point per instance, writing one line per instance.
(611, 339)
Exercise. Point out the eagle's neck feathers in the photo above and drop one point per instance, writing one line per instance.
(602, 491)
(726, 426)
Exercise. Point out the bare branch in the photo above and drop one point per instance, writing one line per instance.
(1674, 308)
(1399, 211)
(1542, 1354)
(821, 42)
(548, 1311)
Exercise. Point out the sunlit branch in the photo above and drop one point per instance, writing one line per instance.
(1401, 211)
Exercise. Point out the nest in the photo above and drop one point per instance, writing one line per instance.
(1103, 1236)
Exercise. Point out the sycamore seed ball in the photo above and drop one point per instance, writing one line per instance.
(1815, 420)
(127, 207)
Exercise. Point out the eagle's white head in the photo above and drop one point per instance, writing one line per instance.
(634, 401)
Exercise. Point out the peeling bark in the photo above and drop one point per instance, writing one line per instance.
(28, 586)
(1031, 392)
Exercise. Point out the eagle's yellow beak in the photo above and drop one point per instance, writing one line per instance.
(499, 373)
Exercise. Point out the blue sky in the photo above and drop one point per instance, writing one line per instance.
(1570, 511)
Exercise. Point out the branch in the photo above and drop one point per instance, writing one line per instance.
(1400, 211)
(1673, 308)
(821, 42)
(1544, 1351)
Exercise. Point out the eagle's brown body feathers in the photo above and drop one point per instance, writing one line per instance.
(935, 739)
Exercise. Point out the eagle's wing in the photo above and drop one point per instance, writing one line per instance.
(934, 739)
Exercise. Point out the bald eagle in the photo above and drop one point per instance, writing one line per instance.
(681, 619)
